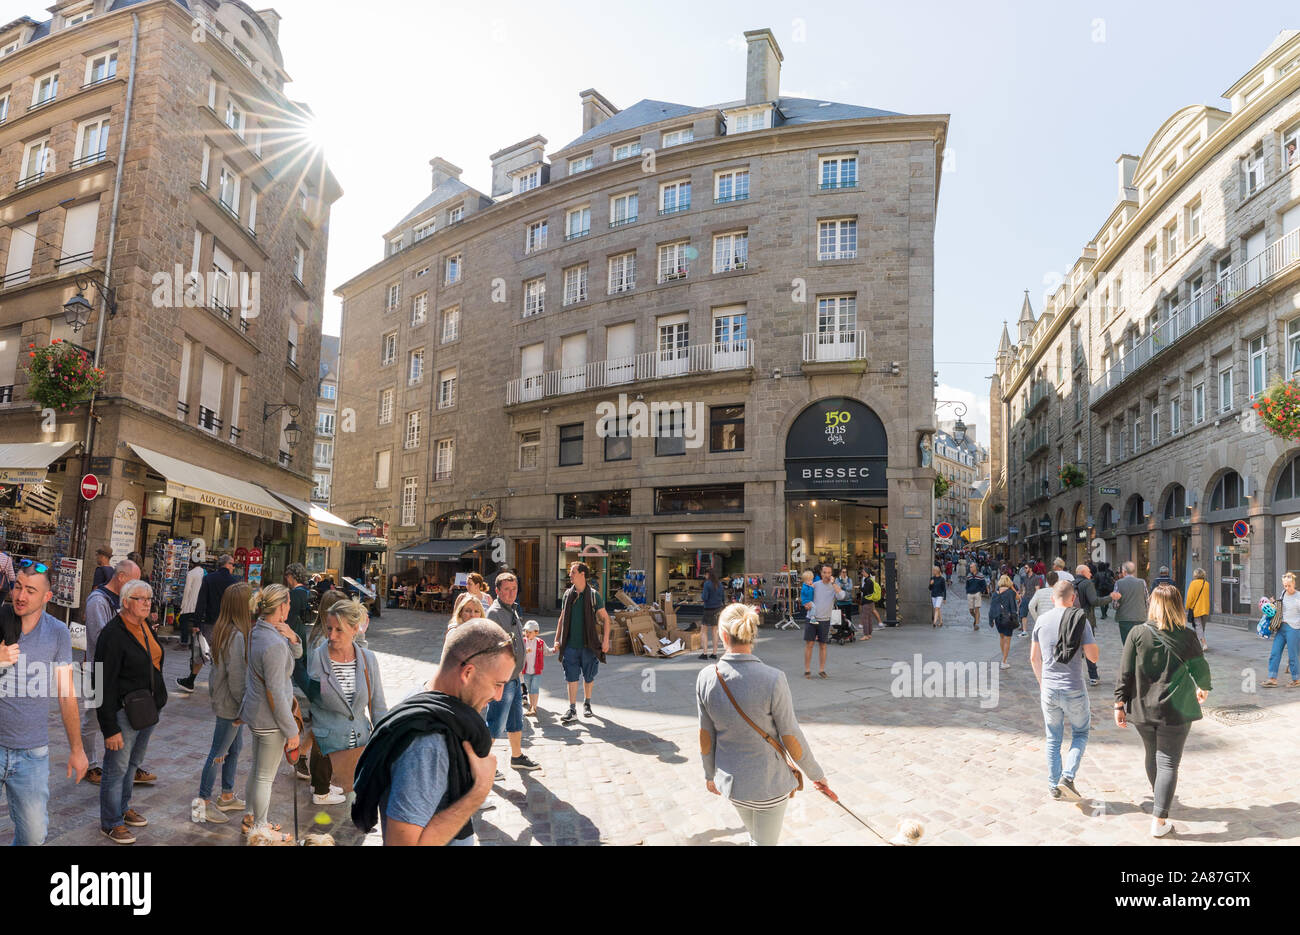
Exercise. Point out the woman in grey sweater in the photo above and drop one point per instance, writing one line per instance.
(267, 707)
(739, 763)
(226, 686)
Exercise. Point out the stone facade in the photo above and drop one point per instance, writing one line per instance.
(1145, 361)
(207, 99)
(777, 290)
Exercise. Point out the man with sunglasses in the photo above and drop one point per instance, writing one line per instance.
(428, 766)
(43, 643)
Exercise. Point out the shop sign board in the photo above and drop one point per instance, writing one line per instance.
(126, 523)
(1109, 491)
(836, 444)
(863, 475)
(67, 582)
(22, 475)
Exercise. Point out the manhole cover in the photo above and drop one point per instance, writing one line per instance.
(1238, 714)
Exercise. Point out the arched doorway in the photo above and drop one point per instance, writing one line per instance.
(1135, 521)
(1176, 523)
(1227, 504)
(836, 504)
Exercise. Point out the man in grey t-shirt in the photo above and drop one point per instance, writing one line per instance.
(1062, 693)
(1130, 596)
(818, 628)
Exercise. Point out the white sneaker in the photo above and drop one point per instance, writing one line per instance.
(335, 790)
(201, 812)
(1158, 830)
(1004, 665)
(331, 798)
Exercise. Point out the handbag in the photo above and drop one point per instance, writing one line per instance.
(139, 705)
(785, 754)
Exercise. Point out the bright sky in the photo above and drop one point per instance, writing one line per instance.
(1043, 98)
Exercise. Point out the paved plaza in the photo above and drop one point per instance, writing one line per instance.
(973, 771)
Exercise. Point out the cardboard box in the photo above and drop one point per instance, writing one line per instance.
(694, 640)
(625, 599)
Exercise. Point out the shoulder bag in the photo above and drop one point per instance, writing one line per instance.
(139, 705)
(785, 754)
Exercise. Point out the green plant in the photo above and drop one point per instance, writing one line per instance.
(1279, 408)
(941, 486)
(60, 375)
(1072, 475)
(998, 508)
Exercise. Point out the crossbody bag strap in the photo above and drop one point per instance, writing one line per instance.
(785, 754)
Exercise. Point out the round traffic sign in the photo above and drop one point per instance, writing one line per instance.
(1241, 529)
(89, 487)
(943, 530)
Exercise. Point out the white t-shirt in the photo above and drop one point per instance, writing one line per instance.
(1063, 575)
(1291, 609)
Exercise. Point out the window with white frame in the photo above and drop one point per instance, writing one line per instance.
(383, 465)
(535, 236)
(450, 324)
(324, 452)
(329, 391)
(45, 89)
(410, 494)
(422, 271)
(447, 388)
(1258, 368)
(386, 407)
(577, 222)
(321, 484)
(412, 439)
(456, 214)
(1252, 170)
(394, 297)
(1136, 422)
(235, 115)
(1107, 433)
(748, 121)
(92, 140)
(1193, 220)
(388, 352)
(622, 273)
(837, 314)
(420, 309)
(453, 269)
(527, 181)
(839, 172)
(415, 368)
(1225, 390)
(101, 67)
(299, 259)
(4, 107)
(730, 185)
(38, 158)
(622, 209)
(1155, 423)
(530, 449)
(228, 190)
(627, 150)
(1119, 292)
(674, 196)
(838, 239)
(1175, 415)
(1198, 404)
(678, 137)
(1291, 147)
(445, 459)
(575, 284)
(1171, 241)
(730, 251)
(77, 18)
(9, 49)
(534, 297)
(1151, 259)
(395, 245)
(580, 164)
(424, 230)
(252, 227)
(1293, 347)
(673, 263)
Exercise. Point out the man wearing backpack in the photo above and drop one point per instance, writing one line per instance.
(1062, 640)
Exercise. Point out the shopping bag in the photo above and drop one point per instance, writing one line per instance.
(836, 617)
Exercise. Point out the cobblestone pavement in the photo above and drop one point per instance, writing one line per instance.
(971, 771)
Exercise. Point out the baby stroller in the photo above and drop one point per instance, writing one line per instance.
(843, 631)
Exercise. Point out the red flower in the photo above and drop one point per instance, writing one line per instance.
(31, 353)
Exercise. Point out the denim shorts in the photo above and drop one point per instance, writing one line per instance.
(506, 715)
(532, 682)
(577, 662)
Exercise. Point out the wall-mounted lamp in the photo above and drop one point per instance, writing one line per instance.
(292, 431)
(76, 311)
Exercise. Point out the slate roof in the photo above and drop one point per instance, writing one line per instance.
(444, 192)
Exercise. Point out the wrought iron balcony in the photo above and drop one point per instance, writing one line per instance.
(827, 346)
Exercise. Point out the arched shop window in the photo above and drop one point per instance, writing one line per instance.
(1107, 520)
(1227, 492)
(1133, 514)
(1176, 503)
(1288, 481)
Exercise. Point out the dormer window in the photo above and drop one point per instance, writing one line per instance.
(580, 164)
(456, 214)
(11, 47)
(527, 181)
(424, 230)
(678, 137)
(745, 121)
(626, 150)
(395, 245)
(76, 19)
(1168, 171)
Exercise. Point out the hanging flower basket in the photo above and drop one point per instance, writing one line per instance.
(60, 375)
(1072, 475)
(941, 486)
(1279, 409)
(998, 508)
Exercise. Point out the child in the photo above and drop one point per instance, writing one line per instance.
(806, 592)
(534, 651)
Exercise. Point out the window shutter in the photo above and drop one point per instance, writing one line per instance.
(79, 233)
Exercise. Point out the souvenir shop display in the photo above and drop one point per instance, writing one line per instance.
(171, 563)
(634, 584)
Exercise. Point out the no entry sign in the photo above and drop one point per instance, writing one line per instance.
(89, 487)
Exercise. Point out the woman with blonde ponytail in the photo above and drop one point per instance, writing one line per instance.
(740, 700)
(267, 707)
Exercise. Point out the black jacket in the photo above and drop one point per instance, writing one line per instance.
(1087, 592)
(127, 667)
(1159, 673)
(425, 713)
(1069, 637)
(210, 593)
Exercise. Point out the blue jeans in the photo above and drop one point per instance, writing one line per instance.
(119, 772)
(25, 778)
(578, 662)
(1290, 637)
(533, 681)
(227, 741)
(506, 715)
(1057, 706)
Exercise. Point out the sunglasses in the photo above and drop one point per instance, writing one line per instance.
(491, 649)
(41, 569)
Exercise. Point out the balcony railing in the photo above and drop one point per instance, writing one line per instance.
(234, 434)
(7, 394)
(1038, 394)
(674, 273)
(649, 365)
(182, 409)
(674, 209)
(619, 222)
(285, 458)
(43, 102)
(88, 160)
(208, 420)
(726, 199)
(827, 346)
(100, 80)
(838, 255)
(16, 277)
(847, 183)
(733, 264)
(1277, 258)
(1035, 444)
(83, 259)
(29, 180)
(229, 315)
(575, 235)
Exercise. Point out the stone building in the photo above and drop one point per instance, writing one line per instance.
(961, 464)
(149, 147)
(759, 271)
(1142, 368)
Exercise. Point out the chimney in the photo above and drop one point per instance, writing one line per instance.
(762, 67)
(272, 21)
(1127, 166)
(443, 171)
(596, 108)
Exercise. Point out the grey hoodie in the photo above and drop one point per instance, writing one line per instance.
(268, 692)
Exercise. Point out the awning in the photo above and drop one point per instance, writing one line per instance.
(441, 549)
(27, 462)
(199, 485)
(328, 526)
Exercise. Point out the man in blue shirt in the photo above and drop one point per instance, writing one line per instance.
(976, 587)
(29, 669)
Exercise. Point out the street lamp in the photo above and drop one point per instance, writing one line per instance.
(76, 311)
(958, 430)
(292, 431)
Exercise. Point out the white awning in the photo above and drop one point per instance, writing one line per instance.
(200, 485)
(328, 526)
(27, 462)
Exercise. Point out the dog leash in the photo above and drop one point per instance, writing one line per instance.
(855, 817)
